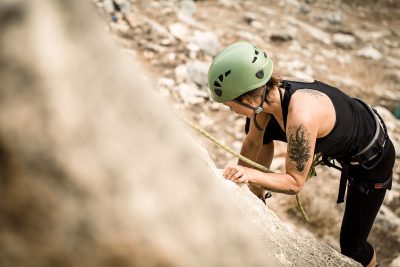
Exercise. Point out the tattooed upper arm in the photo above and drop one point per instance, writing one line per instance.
(299, 146)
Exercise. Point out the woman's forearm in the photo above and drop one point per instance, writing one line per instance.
(250, 149)
(275, 182)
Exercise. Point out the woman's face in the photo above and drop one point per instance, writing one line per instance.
(241, 110)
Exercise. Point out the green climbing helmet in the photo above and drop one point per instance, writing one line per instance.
(238, 69)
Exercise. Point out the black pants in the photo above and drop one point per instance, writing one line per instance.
(361, 209)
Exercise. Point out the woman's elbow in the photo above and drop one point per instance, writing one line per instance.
(298, 186)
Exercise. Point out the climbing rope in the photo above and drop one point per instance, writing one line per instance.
(317, 159)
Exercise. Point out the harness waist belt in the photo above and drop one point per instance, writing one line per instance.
(373, 151)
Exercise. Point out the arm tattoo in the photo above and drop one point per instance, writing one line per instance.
(299, 146)
(311, 92)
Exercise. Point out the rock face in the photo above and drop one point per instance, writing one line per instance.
(95, 170)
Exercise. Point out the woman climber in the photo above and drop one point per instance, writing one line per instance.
(312, 117)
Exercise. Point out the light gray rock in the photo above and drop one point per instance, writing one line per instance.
(294, 3)
(229, 3)
(249, 17)
(181, 73)
(281, 37)
(394, 75)
(334, 18)
(215, 106)
(190, 94)
(345, 41)
(257, 24)
(304, 9)
(197, 72)
(395, 262)
(89, 157)
(305, 252)
(187, 8)
(179, 31)
(369, 52)
(368, 36)
(207, 41)
(315, 32)
(251, 37)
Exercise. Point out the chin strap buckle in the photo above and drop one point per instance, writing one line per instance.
(258, 110)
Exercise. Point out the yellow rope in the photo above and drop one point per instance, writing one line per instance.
(249, 161)
(226, 148)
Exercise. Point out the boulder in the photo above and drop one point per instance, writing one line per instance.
(369, 52)
(97, 171)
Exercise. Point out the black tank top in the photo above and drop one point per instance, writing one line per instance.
(353, 130)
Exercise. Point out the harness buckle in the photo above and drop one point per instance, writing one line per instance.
(378, 186)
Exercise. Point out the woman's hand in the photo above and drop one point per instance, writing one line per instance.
(237, 174)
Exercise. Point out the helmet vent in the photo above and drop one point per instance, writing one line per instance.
(260, 74)
(265, 55)
(227, 73)
(221, 78)
(218, 92)
(217, 84)
(256, 56)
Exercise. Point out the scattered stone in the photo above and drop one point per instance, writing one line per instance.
(197, 72)
(205, 122)
(181, 74)
(368, 36)
(249, 17)
(304, 9)
(187, 8)
(316, 33)
(166, 42)
(281, 37)
(214, 106)
(229, 3)
(251, 37)
(278, 164)
(166, 82)
(343, 80)
(180, 31)
(295, 65)
(193, 47)
(334, 18)
(394, 75)
(345, 59)
(370, 53)
(237, 146)
(294, 3)
(345, 41)
(257, 24)
(395, 262)
(190, 94)
(207, 41)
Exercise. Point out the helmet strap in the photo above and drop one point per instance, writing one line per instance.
(257, 110)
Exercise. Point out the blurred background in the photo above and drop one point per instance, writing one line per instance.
(353, 45)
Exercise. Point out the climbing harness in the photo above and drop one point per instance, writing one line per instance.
(368, 158)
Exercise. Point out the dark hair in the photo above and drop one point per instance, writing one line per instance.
(273, 82)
